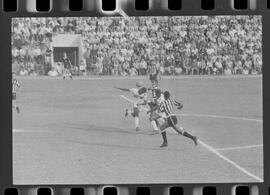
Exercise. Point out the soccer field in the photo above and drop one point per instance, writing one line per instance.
(75, 132)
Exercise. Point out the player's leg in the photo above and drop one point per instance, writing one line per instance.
(70, 75)
(135, 114)
(156, 80)
(153, 120)
(163, 128)
(14, 105)
(127, 112)
(152, 80)
(64, 74)
(173, 122)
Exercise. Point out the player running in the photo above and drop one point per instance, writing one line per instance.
(140, 93)
(67, 66)
(15, 86)
(153, 72)
(156, 115)
(171, 120)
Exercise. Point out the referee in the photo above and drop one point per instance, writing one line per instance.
(153, 73)
(167, 106)
(67, 66)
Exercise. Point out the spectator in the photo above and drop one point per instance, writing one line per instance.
(227, 70)
(83, 67)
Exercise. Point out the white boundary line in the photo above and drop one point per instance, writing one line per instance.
(216, 152)
(239, 147)
(223, 117)
(26, 131)
(206, 115)
(230, 161)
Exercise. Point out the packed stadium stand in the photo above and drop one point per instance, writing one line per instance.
(125, 46)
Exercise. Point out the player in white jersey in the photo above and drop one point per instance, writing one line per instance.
(15, 86)
(140, 93)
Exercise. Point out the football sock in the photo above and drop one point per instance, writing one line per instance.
(136, 119)
(164, 136)
(186, 134)
(154, 124)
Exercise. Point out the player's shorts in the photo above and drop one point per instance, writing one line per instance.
(157, 115)
(153, 77)
(135, 112)
(14, 96)
(172, 120)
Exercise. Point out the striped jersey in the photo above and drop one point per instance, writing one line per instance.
(167, 106)
(15, 85)
(152, 69)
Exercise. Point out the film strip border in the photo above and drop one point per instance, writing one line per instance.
(140, 190)
(134, 7)
(11, 8)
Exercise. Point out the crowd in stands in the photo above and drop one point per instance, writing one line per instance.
(125, 46)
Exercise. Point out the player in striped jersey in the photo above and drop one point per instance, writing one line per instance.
(171, 120)
(156, 115)
(140, 93)
(15, 86)
(153, 73)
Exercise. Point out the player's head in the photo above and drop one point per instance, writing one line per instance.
(13, 74)
(64, 54)
(166, 95)
(139, 84)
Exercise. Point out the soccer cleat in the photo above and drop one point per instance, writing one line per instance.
(137, 129)
(195, 139)
(164, 144)
(126, 113)
(64, 78)
(154, 132)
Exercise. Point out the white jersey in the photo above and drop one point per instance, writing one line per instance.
(137, 94)
(140, 94)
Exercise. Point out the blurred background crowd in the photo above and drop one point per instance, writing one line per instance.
(125, 46)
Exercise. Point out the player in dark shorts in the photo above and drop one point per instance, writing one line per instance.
(153, 74)
(156, 116)
(15, 86)
(67, 66)
(167, 106)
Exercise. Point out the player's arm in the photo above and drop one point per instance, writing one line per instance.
(122, 89)
(142, 104)
(178, 104)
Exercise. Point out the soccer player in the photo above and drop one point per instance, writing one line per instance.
(139, 93)
(171, 120)
(156, 115)
(67, 66)
(153, 73)
(15, 86)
